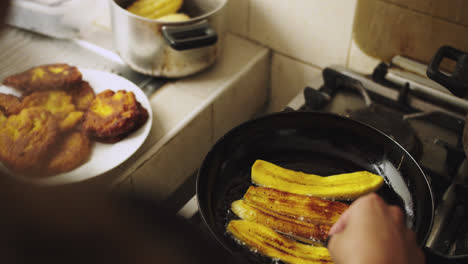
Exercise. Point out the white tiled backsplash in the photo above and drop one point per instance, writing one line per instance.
(308, 35)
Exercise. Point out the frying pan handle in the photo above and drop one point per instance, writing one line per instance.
(433, 257)
(457, 82)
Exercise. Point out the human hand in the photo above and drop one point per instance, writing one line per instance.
(371, 231)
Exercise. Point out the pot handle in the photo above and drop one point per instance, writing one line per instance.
(184, 37)
(433, 257)
(457, 82)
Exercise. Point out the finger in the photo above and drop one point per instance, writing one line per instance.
(340, 225)
(411, 237)
(397, 216)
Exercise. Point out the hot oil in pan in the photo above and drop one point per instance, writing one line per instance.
(306, 162)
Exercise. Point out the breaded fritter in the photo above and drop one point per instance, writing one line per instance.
(82, 95)
(10, 104)
(71, 152)
(113, 115)
(26, 137)
(59, 103)
(3, 118)
(45, 77)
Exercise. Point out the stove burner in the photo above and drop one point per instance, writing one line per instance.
(392, 124)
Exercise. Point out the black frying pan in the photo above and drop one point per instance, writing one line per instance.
(311, 142)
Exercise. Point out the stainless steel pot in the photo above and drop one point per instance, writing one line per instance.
(169, 49)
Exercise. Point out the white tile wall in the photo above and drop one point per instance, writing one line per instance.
(288, 77)
(320, 33)
(360, 61)
(247, 97)
(238, 16)
(314, 31)
(171, 165)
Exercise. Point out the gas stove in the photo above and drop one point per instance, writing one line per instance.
(423, 117)
(428, 127)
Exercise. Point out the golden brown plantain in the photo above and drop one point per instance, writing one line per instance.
(294, 207)
(346, 186)
(45, 77)
(59, 104)
(155, 9)
(73, 151)
(25, 139)
(10, 104)
(269, 243)
(294, 228)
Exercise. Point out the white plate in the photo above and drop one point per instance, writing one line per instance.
(104, 157)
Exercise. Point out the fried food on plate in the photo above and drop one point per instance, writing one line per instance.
(10, 104)
(45, 77)
(73, 151)
(59, 103)
(3, 118)
(114, 115)
(82, 95)
(346, 186)
(25, 138)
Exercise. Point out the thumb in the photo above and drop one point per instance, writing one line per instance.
(340, 225)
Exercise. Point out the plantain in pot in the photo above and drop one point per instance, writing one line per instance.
(179, 17)
(154, 9)
(346, 186)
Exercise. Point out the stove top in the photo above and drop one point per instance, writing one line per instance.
(427, 124)
(431, 131)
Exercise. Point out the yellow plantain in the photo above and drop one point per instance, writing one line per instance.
(155, 9)
(269, 243)
(294, 207)
(174, 17)
(346, 186)
(295, 228)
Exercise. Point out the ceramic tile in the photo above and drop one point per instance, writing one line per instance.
(384, 30)
(238, 16)
(463, 15)
(230, 62)
(447, 9)
(360, 61)
(246, 97)
(315, 31)
(288, 78)
(170, 106)
(160, 176)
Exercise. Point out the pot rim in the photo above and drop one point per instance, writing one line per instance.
(191, 20)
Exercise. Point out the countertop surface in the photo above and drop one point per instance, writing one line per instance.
(189, 114)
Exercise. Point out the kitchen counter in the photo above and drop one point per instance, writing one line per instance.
(189, 114)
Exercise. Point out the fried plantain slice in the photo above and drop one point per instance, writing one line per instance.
(45, 77)
(297, 228)
(346, 186)
(269, 243)
(82, 95)
(10, 104)
(114, 115)
(294, 207)
(59, 104)
(73, 151)
(26, 137)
